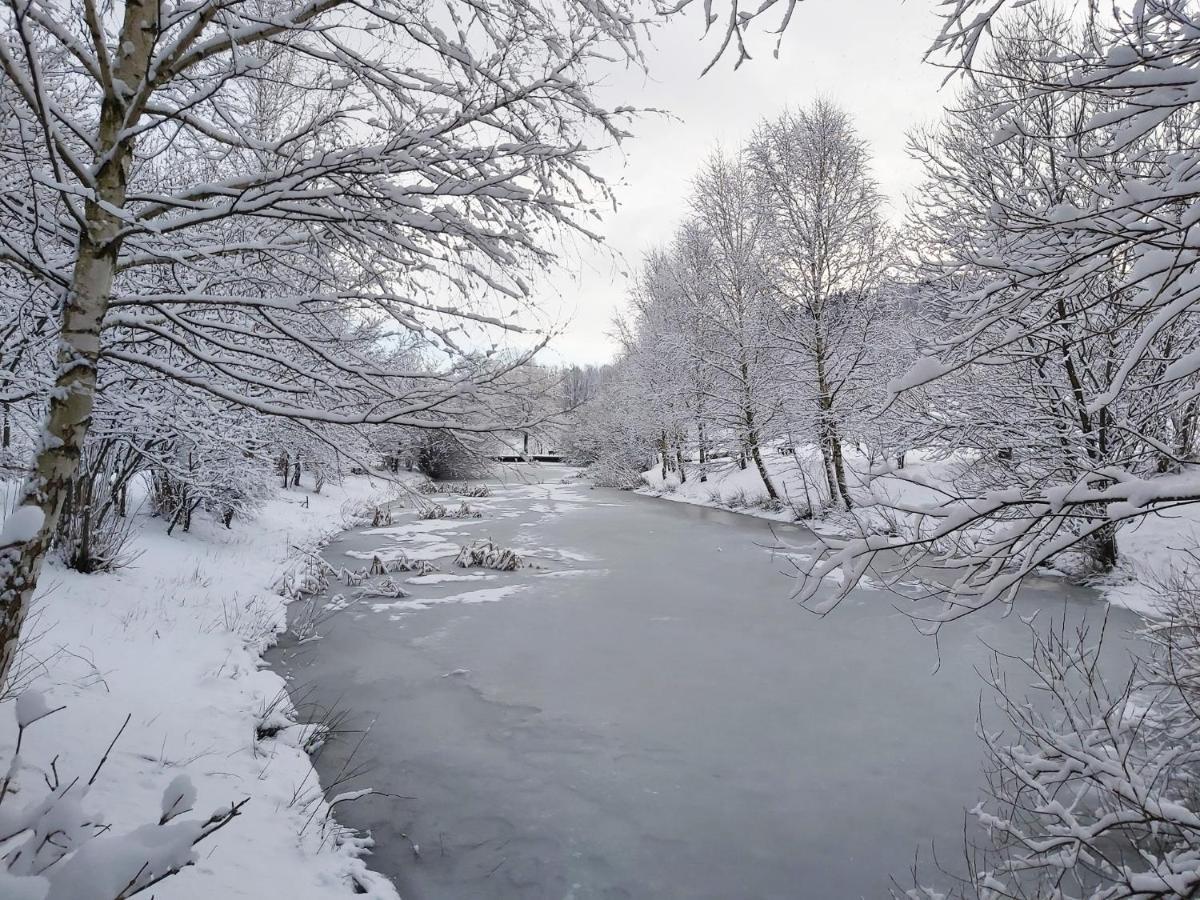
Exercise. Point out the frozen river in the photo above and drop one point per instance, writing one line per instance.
(646, 714)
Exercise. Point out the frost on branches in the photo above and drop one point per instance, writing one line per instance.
(1092, 786)
(1062, 272)
(225, 214)
(769, 324)
(56, 849)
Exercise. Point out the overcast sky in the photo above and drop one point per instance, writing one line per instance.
(866, 56)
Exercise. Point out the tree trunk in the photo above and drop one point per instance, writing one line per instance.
(83, 552)
(831, 448)
(67, 420)
(187, 516)
(85, 305)
(1104, 547)
(839, 465)
(752, 446)
(826, 446)
(182, 501)
(756, 455)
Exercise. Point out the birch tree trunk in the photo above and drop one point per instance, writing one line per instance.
(756, 455)
(752, 444)
(831, 438)
(70, 409)
(839, 464)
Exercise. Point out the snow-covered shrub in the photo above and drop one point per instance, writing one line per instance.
(387, 589)
(58, 849)
(224, 481)
(1094, 787)
(433, 511)
(305, 624)
(462, 488)
(489, 555)
(440, 511)
(94, 528)
(419, 567)
(619, 470)
(476, 490)
(770, 504)
(441, 454)
(311, 577)
(402, 563)
(171, 499)
(356, 513)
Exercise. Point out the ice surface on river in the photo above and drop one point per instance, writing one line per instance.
(649, 715)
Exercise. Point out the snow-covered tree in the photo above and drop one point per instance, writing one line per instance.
(732, 224)
(1096, 283)
(216, 195)
(828, 249)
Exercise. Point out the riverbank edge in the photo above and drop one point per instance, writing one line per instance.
(176, 641)
(1152, 552)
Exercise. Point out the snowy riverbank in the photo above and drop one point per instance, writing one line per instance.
(1152, 551)
(175, 641)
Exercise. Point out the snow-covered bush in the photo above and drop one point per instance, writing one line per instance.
(94, 526)
(387, 589)
(488, 555)
(440, 511)
(225, 480)
(442, 454)
(305, 580)
(56, 848)
(1094, 786)
(608, 434)
(398, 563)
(359, 513)
(462, 488)
(618, 470)
(472, 490)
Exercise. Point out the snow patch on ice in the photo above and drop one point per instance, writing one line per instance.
(441, 577)
(485, 595)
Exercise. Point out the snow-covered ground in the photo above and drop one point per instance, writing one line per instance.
(1151, 552)
(799, 480)
(175, 641)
